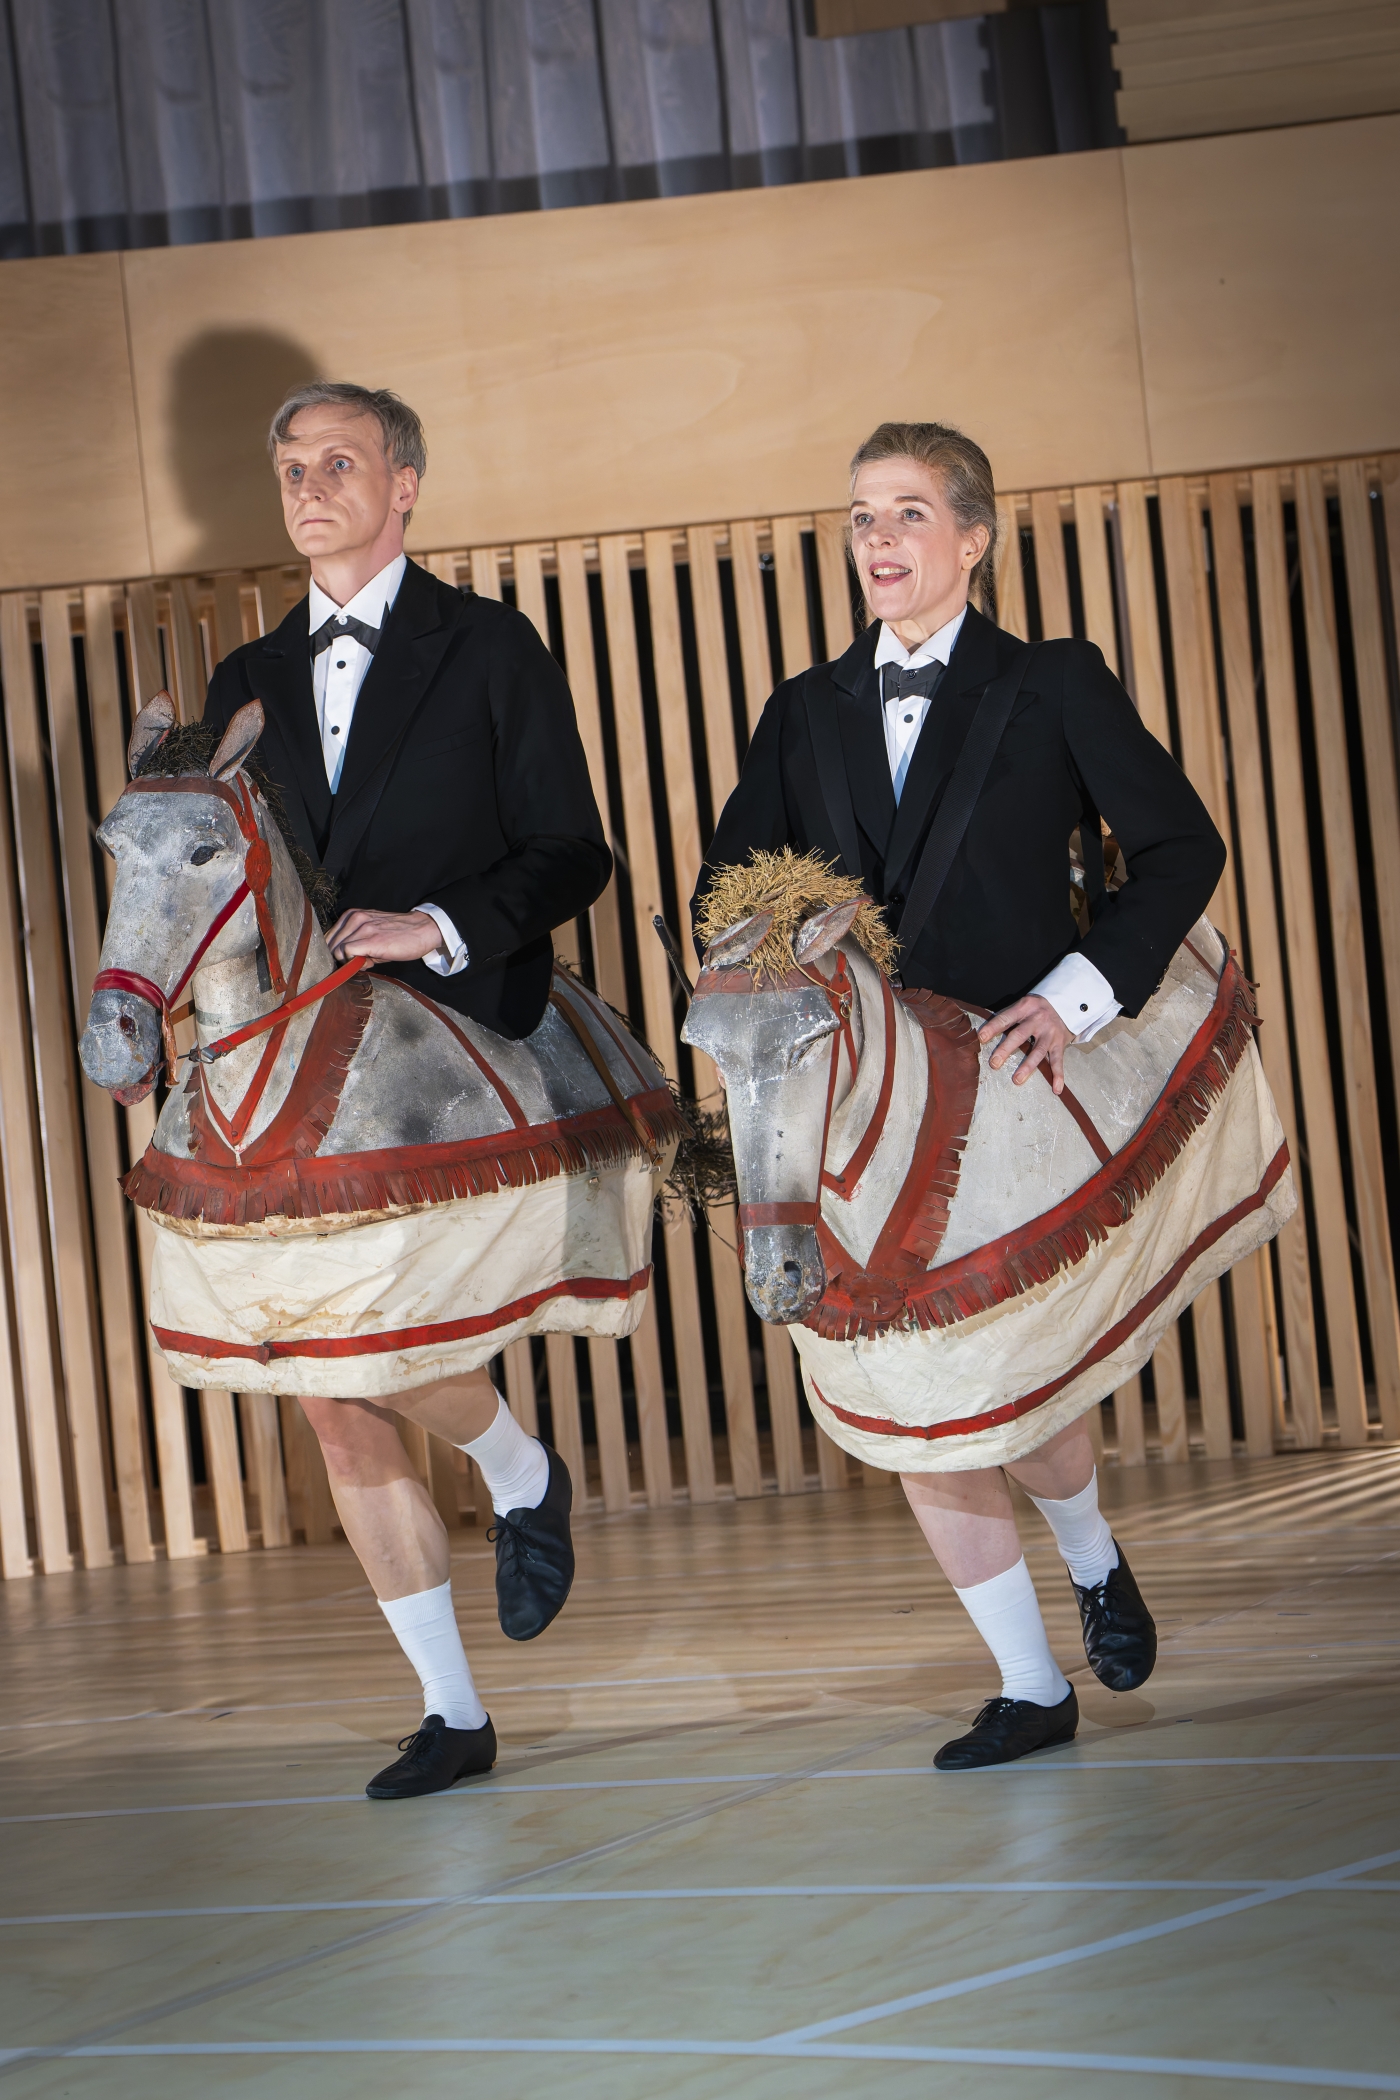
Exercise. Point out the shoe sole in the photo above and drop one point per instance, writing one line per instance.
(1052, 1742)
(420, 1793)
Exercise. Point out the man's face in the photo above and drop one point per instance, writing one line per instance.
(339, 491)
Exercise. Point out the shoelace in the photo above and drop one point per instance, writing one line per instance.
(411, 1742)
(516, 1534)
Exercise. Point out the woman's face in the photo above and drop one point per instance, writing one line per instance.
(912, 556)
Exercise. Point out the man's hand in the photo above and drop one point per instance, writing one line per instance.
(386, 936)
(1032, 1025)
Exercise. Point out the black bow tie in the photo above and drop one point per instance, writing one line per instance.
(912, 685)
(338, 627)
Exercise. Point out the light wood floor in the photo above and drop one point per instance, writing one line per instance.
(714, 1859)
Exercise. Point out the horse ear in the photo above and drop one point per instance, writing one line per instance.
(236, 744)
(825, 928)
(151, 727)
(739, 940)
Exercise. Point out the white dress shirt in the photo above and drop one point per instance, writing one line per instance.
(1080, 994)
(337, 674)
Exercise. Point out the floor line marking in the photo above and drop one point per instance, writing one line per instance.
(1061, 1767)
(738, 1893)
(1011, 2059)
(1114, 1943)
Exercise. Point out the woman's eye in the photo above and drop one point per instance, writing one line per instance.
(201, 854)
(912, 517)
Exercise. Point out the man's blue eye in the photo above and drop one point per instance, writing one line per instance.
(294, 473)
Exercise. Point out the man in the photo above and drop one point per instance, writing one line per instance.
(425, 746)
(853, 760)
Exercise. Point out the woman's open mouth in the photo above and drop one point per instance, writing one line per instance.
(888, 572)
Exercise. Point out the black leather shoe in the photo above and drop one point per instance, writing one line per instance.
(1007, 1729)
(1120, 1638)
(435, 1757)
(535, 1558)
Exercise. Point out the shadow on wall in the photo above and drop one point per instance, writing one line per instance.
(224, 389)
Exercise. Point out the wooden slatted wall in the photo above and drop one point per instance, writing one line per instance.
(1252, 618)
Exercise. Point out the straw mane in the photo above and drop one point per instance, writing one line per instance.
(791, 886)
(188, 748)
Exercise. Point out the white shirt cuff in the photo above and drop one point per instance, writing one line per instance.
(456, 957)
(1081, 995)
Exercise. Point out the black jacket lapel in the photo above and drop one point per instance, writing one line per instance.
(423, 620)
(973, 663)
(862, 732)
(280, 674)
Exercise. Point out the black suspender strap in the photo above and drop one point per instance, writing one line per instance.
(954, 812)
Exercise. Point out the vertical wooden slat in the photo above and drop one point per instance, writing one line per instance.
(1255, 871)
(1149, 682)
(111, 1310)
(834, 574)
(605, 1376)
(1378, 745)
(1170, 1384)
(679, 768)
(1127, 1415)
(486, 572)
(308, 1489)
(1349, 953)
(562, 1368)
(751, 616)
(791, 576)
(691, 1376)
(143, 635)
(606, 927)
(1051, 568)
(227, 624)
(55, 1064)
(225, 1473)
(708, 609)
(1304, 966)
(191, 679)
(520, 1386)
(1095, 576)
(527, 562)
(1011, 583)
(1212, 1369)
(271, 586)
(444, 565)
(262, 1444)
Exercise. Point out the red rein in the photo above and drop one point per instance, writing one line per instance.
(839, 991)
(257, 872)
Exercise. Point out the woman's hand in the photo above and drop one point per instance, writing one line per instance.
(385, 936)
(1032, 1025)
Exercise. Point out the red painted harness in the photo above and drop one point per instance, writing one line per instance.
(257, 872)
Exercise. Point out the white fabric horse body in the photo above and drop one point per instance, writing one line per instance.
(967, 1265)
(356, 1191)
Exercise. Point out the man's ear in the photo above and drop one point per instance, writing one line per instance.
(236, 744)
(825, 928)
(151, 727)
(738, 940)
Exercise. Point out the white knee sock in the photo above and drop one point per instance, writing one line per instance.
(514, 1466)
(1007, 1615)
(1082, 1534)
(425, 1627)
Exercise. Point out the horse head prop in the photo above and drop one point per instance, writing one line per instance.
(210, 890)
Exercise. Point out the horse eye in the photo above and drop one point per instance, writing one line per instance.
(201, 854)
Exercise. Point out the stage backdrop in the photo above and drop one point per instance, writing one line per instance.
(1244, 591)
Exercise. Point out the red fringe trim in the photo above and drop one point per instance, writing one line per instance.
(866, 1304)
(409, 1177)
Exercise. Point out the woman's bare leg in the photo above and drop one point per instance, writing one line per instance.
(398, 1537)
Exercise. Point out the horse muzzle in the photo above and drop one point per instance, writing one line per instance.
(784, 1273)
(121, 1048)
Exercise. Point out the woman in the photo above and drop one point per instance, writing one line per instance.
(865, 792)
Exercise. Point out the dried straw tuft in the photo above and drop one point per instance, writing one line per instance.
(791, 886)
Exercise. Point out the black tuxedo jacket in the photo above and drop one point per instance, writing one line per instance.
(1074, 746)
(464, 785)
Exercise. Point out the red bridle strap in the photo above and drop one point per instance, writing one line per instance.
(281, 1013)
(257, 861)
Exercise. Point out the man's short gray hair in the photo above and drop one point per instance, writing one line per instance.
(404, 443)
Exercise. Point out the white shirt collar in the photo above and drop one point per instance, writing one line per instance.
(937, 649)
(368, 604)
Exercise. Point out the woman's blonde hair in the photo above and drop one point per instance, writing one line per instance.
(966, 474)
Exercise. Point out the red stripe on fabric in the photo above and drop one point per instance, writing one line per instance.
(508, 1101)
(586, 1287)
(968, 1425)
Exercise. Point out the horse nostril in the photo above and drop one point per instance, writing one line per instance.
(793, 1272)
(127, 1025)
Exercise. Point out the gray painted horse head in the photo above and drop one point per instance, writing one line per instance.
(202, 878)
(777, 1041)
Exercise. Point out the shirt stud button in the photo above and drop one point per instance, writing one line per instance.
(340, 663)
(335, 729)
(1083, 1007)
